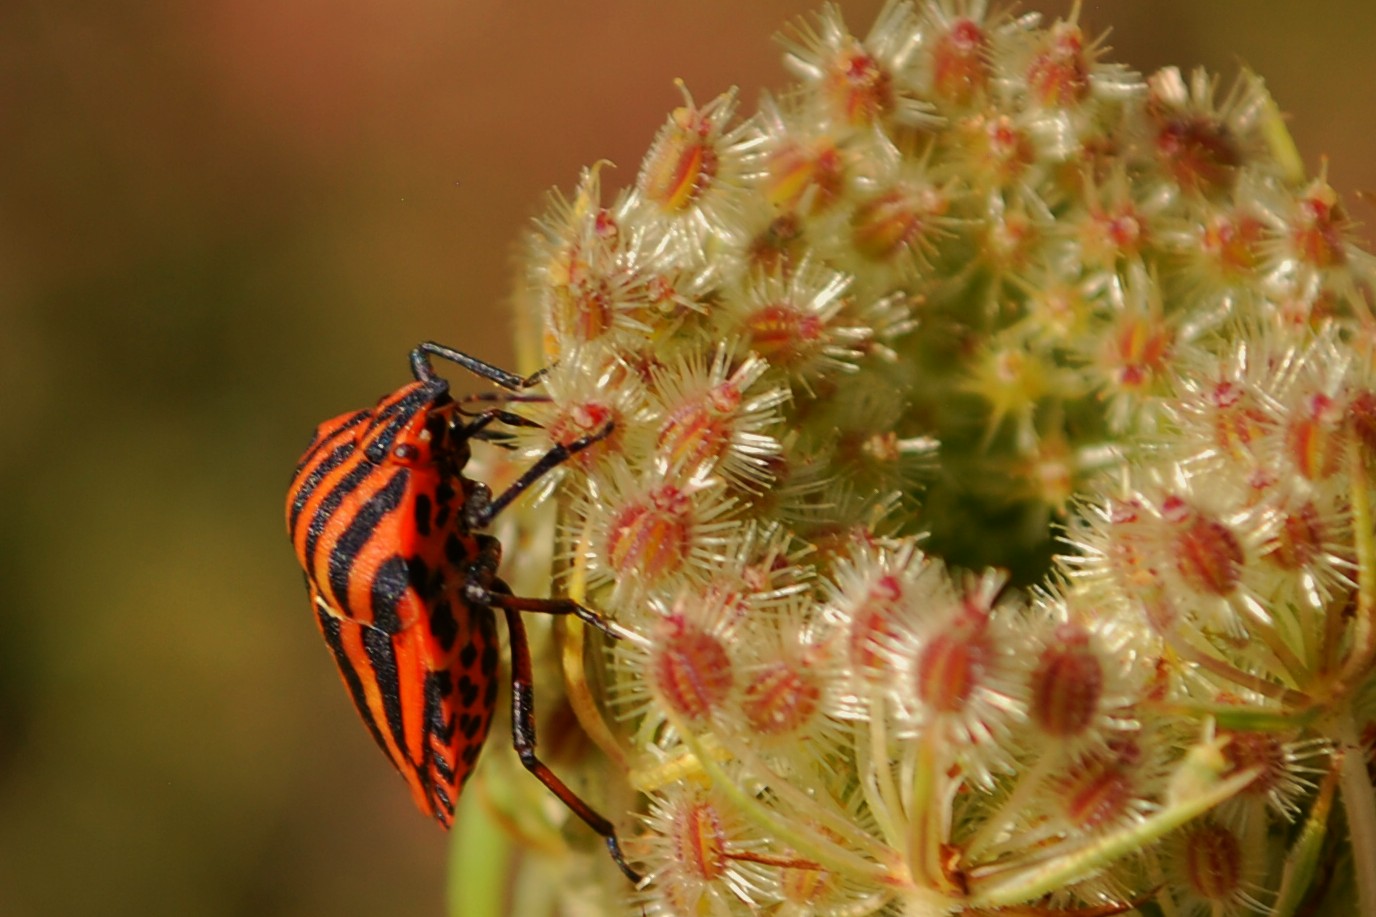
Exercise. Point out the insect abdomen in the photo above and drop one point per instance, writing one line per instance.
(378, 542)
(428, 712)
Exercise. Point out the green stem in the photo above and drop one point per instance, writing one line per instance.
(884, 775)
(806, 805)
(1018, 886)
(1358, 664)
(881, 794)
(1359, 802)
(1265, 631)
(927, 809)
(803, 842)
(1301, 864)
(1028, 784)
(480, 863)
(1293, 699)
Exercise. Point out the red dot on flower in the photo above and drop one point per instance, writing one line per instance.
(581, 420)
(690, 668)
(950, 668)
(683, 162)
(1067, 683)
(859, 88)
(605, 226)
(1199, 151)
(782, 334)
(694, 432)
(781, 698)
(581, 309)
(1117, 234)
(797, 171)
(699, 842)
(1059, 75)
(1298, 540)
(1138, 349)
(1237, 422)
(651, 537)
(1232, 241)
(1314, 438)
(1316, 232)
(1361, 415)
(775, 247)
(1128, 561)
(1207, 554)
(873, 624)
(960, 69)
(1097, 792)
(1213, 862)
(1010, 150)
(1262, 750)
(895, 221)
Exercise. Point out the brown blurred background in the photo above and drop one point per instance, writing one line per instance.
(223, 221)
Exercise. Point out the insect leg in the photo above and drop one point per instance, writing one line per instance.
(498, 438)
(480, 512)
(552, 607)
(500, 416)
(477, 427)
(481, 587)
(523, 738)
(504, 398)
(501, 399)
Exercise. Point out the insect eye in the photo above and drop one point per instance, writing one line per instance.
(405, 452)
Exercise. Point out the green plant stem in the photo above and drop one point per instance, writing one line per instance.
(1359, 802)
(479, 864)
(1022, 794)
(805, 843)
(1358, 665)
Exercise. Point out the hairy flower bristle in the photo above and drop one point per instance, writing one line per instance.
(692, 179)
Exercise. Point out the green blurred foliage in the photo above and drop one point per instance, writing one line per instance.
(222, 222)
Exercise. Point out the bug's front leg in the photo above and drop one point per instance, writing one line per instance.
(482, 507)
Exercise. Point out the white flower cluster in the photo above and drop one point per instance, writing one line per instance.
(964, 289)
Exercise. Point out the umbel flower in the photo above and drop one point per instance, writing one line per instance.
(988, 515)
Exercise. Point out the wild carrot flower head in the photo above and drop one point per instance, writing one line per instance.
(987, 515)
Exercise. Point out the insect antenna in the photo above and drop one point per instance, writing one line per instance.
(424, 372)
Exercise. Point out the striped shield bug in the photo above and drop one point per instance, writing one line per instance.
(404, 584)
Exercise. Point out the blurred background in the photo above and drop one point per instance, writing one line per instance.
(223, 221)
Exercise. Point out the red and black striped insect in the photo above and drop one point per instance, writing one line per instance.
(405, 588)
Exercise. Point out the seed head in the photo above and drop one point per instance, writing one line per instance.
(986, 509)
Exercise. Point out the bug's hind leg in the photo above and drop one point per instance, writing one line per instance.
(555, 607)
(523, 739)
